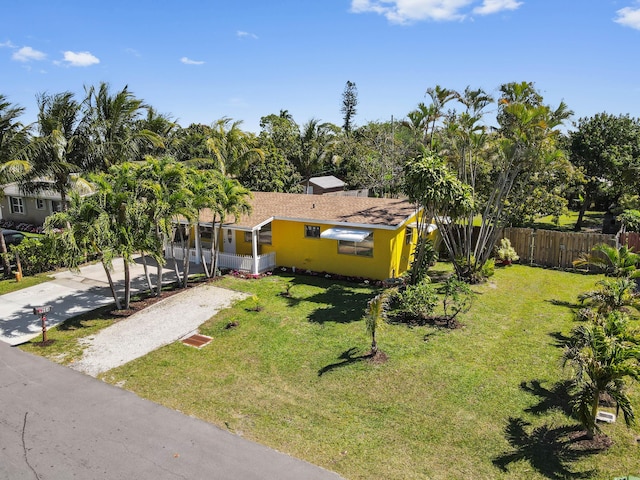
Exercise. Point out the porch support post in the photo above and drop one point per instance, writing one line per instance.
(254, 252)
(197, 243)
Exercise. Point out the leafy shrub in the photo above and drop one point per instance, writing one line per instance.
(631, 219)
(506, 253)
(429, 258)
(418, 300)
(39, 254)
(457, 298)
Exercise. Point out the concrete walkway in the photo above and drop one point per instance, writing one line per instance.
(58, 424)
(69, 294)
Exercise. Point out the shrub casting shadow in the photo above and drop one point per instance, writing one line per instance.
(558, 397)
(348, 357)
(550, 451)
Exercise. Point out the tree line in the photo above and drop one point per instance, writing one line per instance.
(461, 155)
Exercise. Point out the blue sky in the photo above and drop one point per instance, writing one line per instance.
(200, 60)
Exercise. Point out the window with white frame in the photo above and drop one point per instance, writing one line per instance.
(264, 235)
(312, 231)
(17, 205)
(361, 249)
(408, 236)
(40, 204)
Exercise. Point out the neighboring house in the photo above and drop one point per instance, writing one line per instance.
(33, 208)
(363, 237)
(323, 185)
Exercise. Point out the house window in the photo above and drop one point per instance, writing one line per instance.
(312, 231)
(361, 249)
(264, 235)
(39, 204)
(206, 236)
(17, 205)
(56, 206)
(408, 236)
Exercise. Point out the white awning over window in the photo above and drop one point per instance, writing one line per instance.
(348, 234)
(432, 227)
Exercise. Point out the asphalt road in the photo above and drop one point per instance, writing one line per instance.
(59, 424)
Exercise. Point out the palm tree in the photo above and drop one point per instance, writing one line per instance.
(163, 186)
(13, 138)
(616, 262)
(206, 186)
(90, 232)
(603, 359)
(233, 200)
(374, 319)
(232, 150)
(109, 126)
(316, 152)
(611, 295)
(55, 154)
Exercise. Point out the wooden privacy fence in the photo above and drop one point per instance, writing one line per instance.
(553, 249)
(631, 239)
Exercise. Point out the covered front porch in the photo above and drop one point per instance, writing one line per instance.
(200, 247)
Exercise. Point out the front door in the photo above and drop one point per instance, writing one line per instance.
(228, 240)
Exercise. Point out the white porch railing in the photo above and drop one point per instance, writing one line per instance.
(243, 263)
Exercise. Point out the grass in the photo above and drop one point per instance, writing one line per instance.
(591, 220)
(11, 285)
(485, 401)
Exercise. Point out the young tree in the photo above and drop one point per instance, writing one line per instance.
(375, 317)
(349, 103)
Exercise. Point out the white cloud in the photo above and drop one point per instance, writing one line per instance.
(406, 11)
(133, 51)
(494, 6)
(629, 17)
(7, 44)
(188, 61)
(80, 59)
(26, 54)
(242, 34)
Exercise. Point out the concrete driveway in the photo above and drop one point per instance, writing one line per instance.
(69, 294)
(57, 424)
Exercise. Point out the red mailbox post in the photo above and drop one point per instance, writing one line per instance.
(42, 311)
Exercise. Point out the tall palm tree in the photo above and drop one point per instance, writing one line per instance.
(55, 153)
(231, 149)
(13, 138)
(109, 125)
(316, 148)
(233, 201)
(164, 187)
(90, 232)
(206, 186)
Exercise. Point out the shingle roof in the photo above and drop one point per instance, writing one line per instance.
(363, 211)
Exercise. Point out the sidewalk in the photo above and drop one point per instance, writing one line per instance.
(69, 294)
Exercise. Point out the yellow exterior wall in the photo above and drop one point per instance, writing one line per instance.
(391, 255)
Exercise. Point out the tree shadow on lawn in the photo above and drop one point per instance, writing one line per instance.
(550, 451)
(563, 303)
(555, 398)
(562, 340)
(348, 357)
(345, 305)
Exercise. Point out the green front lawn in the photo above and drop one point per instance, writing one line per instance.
(485, 401)
(9, 285)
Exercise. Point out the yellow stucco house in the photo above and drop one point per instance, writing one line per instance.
(352, 236)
